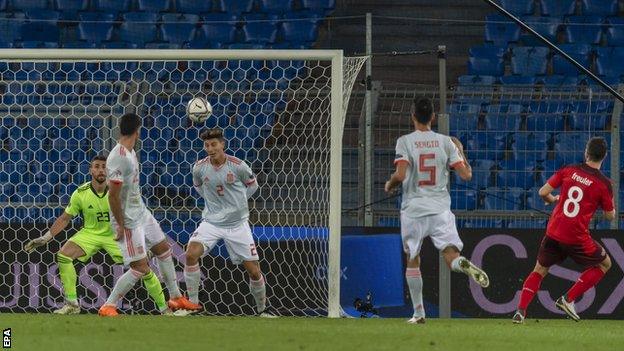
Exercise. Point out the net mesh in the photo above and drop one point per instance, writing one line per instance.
(56, 116)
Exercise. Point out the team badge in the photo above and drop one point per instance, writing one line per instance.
(230, 178)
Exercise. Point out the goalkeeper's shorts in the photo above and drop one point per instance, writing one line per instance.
(92, 243)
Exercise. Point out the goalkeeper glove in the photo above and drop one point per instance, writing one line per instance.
(40, 241)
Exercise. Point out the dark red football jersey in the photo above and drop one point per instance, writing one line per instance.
(583, 190)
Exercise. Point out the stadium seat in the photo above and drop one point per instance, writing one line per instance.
(260, 32)
(463, 199)
(486, 66)
(235, 6)
(181, 18)
(558, 7)
(78, 45)
(610, 66)
(519, 81)
(500, 31)
(40, 31)
(114, 6)
(535, 202)
(177, 33)
(569, 146)
(299, 31)
(550, 107)
(51, 17)
(193, 6)
(202, 44)
(579, 52)
(138, 29)
(530, 146)
(561, 83)
(599, 7)
(266, 18)
(69, 8)
(503, 122)
(515, 174)
(485, 80)
(503, 199)
(276, 6)
(319, 5)
(218, 32)
(23, 5)
(119, 45)
(95, 32)
(615, 31)
(486, 51)
(548, 27)
(591, 121)
(584, 32)
(545, 122)
(518, 7)
(529, 61)
(310, 15)
(155, 5)
(11, 29)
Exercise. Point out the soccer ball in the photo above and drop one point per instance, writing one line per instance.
(198, 109)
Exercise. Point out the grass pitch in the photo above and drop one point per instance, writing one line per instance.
(137, 333)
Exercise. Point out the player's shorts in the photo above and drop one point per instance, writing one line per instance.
(440, 227)
(552, 252)
(92, 243)
(238, 241)
(136, 241)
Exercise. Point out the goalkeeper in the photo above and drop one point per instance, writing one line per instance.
(90, 200)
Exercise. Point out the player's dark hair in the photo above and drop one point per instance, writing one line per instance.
(596, 149)
(129, 123)
(98, 158)
(422, 110)
(214, 133)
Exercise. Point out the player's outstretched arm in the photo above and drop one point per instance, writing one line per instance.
(59, 225)
(545, 193)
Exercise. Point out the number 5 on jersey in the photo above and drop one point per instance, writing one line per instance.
(429, 171)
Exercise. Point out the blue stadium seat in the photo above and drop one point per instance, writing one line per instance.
(485, 51)
(610, 66)
(530, 146)
(486, 66)
(599, 7)
(11, 29)
(79, 45)
(40, 31)
(193, 6)
(95, 32)
(579, 52)
(535, 202)
(69, 8)
(177, 33)
(561, 83)
(50, 16)
(569, 146)
(299, 31)
(500, 31)
(111, 5)
(463, 199)
(119, 45)
(266, 18)
(615, 32)
(529, 61)
(516, 174)
(549, 106)
(485, 80)
(545, 122)
(503, 199)
(235, 6)
(24, 5)
(276, 6)
(518, 7)
(219, 32)
(319, 5)
(558, 7)
(260, 32)
(546, 26)
(154, 5)
(584, 32)
(181, 18)
(310, 15)
(137, 29)
(519, 81)
(503, 122)
(588, 121)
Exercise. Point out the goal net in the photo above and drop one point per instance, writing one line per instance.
(281, 111)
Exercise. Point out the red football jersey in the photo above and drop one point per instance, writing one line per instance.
(583, 190)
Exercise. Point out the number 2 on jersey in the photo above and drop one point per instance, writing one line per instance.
(423, 168)
(575, 195)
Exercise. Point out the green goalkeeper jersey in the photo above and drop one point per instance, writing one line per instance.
(93, 208)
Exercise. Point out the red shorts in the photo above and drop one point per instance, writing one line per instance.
(552, 252)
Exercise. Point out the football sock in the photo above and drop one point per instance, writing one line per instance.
(415, 284)
(167, 269)
(123, 285)
(152, 284)
(588, 279)
(455, 264)
(529, 289)
(68, 277)
(258, 290)
(192, 275)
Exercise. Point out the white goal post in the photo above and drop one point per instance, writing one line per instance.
(322, 79)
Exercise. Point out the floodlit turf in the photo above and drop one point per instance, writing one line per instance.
(136, 333)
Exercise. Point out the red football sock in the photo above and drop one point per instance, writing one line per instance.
(529, 289)
(588, 279)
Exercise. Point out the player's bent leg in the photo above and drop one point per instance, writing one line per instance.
(67, 271)
(415, 284)
(138, 269)
(257, 287)
(588, 279)
(529, 289)
(461, 264)
(192, 275)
